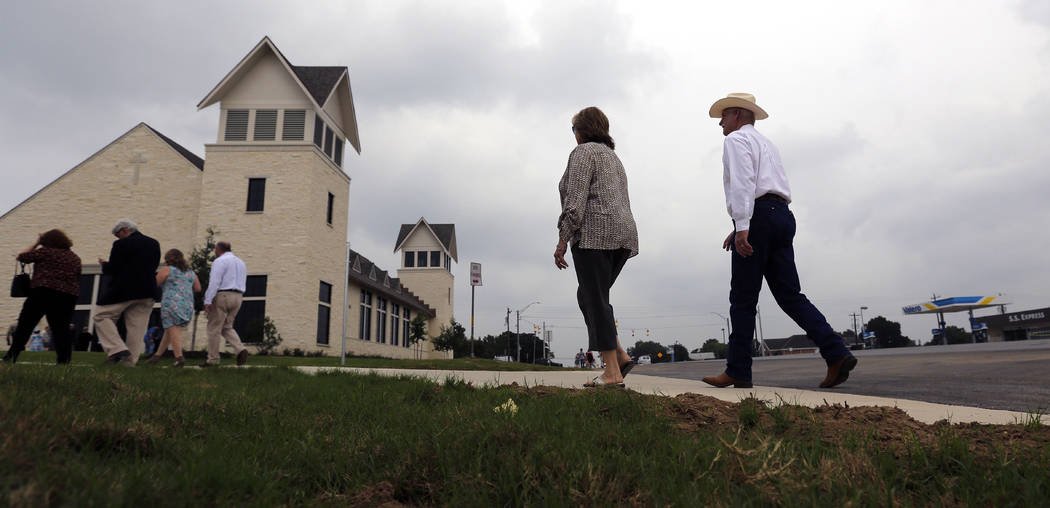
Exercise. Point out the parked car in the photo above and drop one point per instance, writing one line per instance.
(644, 360)
(503, 358)
(696, 354)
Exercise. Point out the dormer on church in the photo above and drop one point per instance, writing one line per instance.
(427, 252)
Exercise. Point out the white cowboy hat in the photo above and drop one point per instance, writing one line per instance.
(738, 100)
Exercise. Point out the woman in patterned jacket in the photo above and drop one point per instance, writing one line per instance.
(597, 224)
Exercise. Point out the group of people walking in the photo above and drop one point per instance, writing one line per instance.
(597, 225)
(132, 280)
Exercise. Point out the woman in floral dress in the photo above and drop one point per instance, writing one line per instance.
(178, 283)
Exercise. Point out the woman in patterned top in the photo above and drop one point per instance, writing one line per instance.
(178, 283)
(596, 221)
(53, 293)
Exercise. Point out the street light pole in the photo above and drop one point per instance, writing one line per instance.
(517, 354)
(862, 327)
(727, 325)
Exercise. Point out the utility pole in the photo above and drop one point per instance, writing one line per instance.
(517, 333)
(761, 335)
(854, 316)
(506, 343)
(544, 341)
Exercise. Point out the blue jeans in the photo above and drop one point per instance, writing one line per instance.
(771, 235)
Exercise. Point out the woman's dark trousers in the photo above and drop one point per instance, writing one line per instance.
(771, 234)
(58, 307)
(596, 271)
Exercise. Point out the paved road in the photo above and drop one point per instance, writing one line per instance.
(1005, 375)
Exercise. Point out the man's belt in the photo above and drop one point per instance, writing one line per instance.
(773, 197)
(231, 291)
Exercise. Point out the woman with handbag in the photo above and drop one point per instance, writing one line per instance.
(53, 292)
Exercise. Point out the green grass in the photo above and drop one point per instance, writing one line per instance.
(83, 358)
(93, 436)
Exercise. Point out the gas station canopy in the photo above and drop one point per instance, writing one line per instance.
(955, 304)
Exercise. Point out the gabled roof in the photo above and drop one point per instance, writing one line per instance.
(317, 83)
(445, 233)
(360, 275)
(188, 155)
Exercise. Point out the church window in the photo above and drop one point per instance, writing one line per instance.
(331, 205)
(328, 142)
(237, 125)
(265, 125)
(339, 151)
(381, 306)
(435, 258)
(421, 257)
(294, 125)
(365, 330)
(324, 312)
(410, 259)
(318, 131)
(249, 320)
(256, 194)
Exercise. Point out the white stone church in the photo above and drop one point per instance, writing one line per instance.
(273, 184)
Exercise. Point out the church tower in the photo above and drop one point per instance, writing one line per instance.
(275, 187)
(428, 251)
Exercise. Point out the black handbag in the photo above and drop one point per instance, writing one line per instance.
(20, 284)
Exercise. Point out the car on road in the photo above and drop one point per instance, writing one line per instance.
(644, 360)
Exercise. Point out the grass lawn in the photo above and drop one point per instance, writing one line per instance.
(96, 436)
(83, 358)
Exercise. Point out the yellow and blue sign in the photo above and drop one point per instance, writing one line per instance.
(955, 304)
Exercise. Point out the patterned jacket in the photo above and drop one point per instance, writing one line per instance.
(595, 206)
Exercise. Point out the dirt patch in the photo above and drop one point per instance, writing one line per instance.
(891, 428)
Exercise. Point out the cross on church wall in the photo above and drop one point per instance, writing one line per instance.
(138, 160)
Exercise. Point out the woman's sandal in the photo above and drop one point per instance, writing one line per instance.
(179, 362)
(152, 360)
(625, 368)
(598, 383)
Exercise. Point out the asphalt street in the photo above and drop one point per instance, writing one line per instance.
(1005, 375)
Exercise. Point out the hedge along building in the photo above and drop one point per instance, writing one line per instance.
(272, 184)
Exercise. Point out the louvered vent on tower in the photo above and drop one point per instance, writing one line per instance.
(294, 125)
(265, 125)
(237, 125)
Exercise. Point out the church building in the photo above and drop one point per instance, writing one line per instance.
(274, 185)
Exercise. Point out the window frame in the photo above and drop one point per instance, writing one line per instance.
(259, 193)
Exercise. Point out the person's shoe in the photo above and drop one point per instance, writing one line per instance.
(205, 365)
(242, 357)
(179, 362)
(723, 380)
(627, 367)
(839, 371)
(116, 358)
(8, 358)
(153, 359)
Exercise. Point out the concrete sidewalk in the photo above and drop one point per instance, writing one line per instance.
(925, 412)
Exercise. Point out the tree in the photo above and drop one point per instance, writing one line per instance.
(887, 333)
(714, 346)
(681, 354)
(417, 333)
(957, 335)
(200, 262)
(270, 337)
(453, 338)
(655, 350)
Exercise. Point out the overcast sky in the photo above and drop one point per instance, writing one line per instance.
(914, 135)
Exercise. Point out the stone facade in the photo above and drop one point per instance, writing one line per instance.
(138, 176)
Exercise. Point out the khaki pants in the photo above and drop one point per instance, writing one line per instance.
(224, 309)
(136, 321)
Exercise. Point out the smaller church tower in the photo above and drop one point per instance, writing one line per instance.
(428, 251)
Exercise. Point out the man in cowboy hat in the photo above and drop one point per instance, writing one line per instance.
(757, 196)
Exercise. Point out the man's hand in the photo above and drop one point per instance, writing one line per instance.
(100, 261)
(742, 247)
(207, 308)
(559, 255)
(728, 241)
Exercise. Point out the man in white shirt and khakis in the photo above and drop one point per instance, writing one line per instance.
(757, 197)
(222, 300)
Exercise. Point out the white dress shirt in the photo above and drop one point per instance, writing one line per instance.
(752, 169)
(227, 272)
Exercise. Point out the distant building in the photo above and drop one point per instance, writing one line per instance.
(793, 345)
(1023, 325)
(273, 184)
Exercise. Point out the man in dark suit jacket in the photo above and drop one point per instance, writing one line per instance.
(132, 283)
